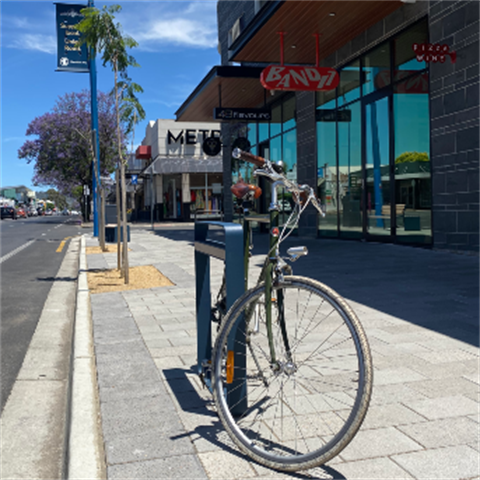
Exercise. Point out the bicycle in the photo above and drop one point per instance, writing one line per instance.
(292, 353)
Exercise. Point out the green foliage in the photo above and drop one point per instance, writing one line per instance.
(412, 157)
(57, 198)
(103, 35)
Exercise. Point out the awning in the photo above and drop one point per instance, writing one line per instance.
(223, 86)
(173, 165)
(338, 22)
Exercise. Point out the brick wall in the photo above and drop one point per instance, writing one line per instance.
(454, 104)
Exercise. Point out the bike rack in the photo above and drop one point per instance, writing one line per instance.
(232, 254)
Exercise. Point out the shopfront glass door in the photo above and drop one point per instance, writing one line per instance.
(377, 182)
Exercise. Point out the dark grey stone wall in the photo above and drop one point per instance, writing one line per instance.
(307, 156)
(228, 11)
(454, 111)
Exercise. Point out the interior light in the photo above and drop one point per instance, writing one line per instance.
(331, 14)
(294, 46)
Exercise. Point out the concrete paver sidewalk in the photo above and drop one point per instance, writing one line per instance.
(420, 312)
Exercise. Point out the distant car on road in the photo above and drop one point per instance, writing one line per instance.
(21, 213)
(74, 212)
(48, 212)
(8, 212)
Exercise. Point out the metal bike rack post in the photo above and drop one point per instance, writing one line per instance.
(231, 252)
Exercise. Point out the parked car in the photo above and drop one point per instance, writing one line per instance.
(48, 212)
(21, 212)
(8, 212)
(32, 212)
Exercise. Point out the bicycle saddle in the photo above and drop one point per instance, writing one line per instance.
(244, 190)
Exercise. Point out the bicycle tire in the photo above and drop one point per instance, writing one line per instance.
(323, 406)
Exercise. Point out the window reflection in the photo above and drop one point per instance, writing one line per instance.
(412, 159)
(376, 69)
(405, 57)
(350, 167)
(349, 87)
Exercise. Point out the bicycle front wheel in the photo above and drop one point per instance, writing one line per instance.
(302, 408)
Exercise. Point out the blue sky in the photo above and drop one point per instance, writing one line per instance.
(177, 47)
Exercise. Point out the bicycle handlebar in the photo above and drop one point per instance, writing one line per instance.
(249, 157)
(273, 174)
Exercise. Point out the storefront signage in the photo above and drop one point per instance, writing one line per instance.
(191, 137)
(252, 114)
(299, 78)
(433, 52)
(212, 146)
(415, 84)
(70, 56)
(333, 115)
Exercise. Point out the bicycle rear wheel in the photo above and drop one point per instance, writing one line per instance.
(303, 409)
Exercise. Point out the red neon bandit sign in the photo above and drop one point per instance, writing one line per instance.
(299, 78)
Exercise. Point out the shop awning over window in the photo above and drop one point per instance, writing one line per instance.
(172, 165)
(338, 22)
(223, 86)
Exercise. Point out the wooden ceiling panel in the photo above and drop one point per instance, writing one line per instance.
(301, 19)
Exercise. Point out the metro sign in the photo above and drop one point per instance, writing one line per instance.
(299, 78)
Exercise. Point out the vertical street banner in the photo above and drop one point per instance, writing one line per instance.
(70, 56)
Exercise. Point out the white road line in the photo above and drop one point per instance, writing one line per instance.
(14, 252)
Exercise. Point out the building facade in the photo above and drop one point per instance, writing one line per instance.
(181, 181)
(393, 150)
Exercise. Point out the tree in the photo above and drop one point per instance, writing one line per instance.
(61, 151)
(102, 35)
(57, 198)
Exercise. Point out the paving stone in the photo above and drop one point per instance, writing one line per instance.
(182, 467)
(226, 464)
(443, 433)
(149, 445)
(443, 407)
(446, 356)
(378, 443)
(396, 375)
(450, 462)
(381, 468)
(383, 394)
(391, 414)
(444, 386)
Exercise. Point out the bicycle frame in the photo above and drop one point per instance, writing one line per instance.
(267, 273)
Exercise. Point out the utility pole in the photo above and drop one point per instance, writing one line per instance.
(94, 109)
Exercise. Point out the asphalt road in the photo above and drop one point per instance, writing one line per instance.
(31, 252)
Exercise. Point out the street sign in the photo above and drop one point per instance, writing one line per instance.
(134, 179)
(332, 115)
(86, 190)
(249, 114)
(70, 56)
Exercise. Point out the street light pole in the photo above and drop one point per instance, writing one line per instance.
(94, 124)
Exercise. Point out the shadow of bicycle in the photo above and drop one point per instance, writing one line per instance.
(208, 428)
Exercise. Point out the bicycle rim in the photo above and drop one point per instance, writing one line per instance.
(302, 411)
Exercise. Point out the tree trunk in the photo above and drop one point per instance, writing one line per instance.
(124, 221)
(117, 197)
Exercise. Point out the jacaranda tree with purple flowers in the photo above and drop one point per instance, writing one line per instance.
(62, 148)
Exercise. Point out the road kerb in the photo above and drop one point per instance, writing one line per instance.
(86, 454)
